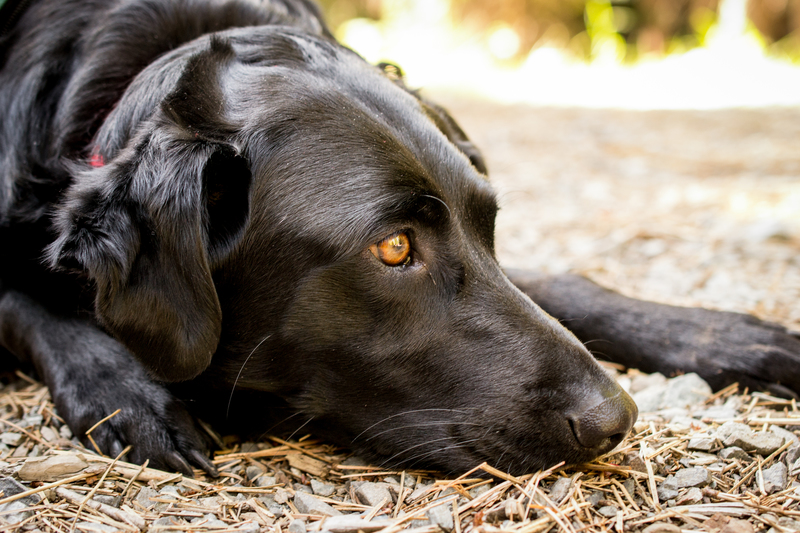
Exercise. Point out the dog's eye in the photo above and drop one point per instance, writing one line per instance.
(394, 250)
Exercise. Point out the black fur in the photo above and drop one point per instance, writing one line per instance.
(189, 195)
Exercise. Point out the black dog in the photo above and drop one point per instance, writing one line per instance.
(219, 196)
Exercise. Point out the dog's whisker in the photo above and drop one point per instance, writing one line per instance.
(230, 399)
(419, 457)
(440, 201)
(276, 424)
(423, 424)
(296, 431)
(426, 443)
(406, 413)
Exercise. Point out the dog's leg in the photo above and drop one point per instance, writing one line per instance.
(90, 375)
(721, 347)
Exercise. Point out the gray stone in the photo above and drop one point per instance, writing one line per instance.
(692, 477)
(594, 498)
(144, 495)
(274, 507)
(792, 454)
(641, 382)
(302, 488)
(252, 472)
(64, 432)
(786, 524)
(668, 490)
(373, 494)
(208, 521)
(733, 452)
(418, 492)
(322, 489)
(32, 421)
(351, 524)
(702, 443)
(736, 434)
(442, 516)
(265, 481)
(308, 504)
(171, 490)
(609, 511)
(775, 478)
(785, 433)
(48, 434)
(10, 438)
(685, 390)
(11, 487)
(107, 499)
(649, 400)
(297, 526)
(560, 489)
(250, 526)
(692, 496)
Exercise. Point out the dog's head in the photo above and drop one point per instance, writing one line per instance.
(280, 215)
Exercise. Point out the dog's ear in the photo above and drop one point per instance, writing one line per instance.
(148, 229)
(453, 131)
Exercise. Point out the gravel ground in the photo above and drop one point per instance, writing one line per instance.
(680, 207)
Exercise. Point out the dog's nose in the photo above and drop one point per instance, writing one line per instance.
(607, 423)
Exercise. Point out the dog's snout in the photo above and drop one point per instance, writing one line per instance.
(605, 424)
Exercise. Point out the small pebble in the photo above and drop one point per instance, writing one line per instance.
(442, 516)
(775, 478)
(297, 526)
(373, 494)
(322, 489)
(308, 504)
(560, 489)
(692, 477)
(11, 439)
(11, 487)
(703, 443)
(609, 511)
(733, 452)
(252, 472)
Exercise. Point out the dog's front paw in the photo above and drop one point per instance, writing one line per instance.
(150, 419)
(729, 347)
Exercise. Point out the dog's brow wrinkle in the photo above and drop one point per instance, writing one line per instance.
(230, 399)
(404, 413)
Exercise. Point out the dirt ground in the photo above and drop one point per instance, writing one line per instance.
(682, 207)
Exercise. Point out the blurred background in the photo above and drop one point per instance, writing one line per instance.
(622, 53)
(652, 145)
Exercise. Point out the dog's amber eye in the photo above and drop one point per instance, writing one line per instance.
(394, 250)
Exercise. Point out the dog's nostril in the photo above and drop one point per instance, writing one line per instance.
(605, 424)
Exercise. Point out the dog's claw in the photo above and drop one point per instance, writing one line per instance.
(203, 462)
(176, 462)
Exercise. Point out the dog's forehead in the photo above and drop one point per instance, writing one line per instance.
(345, 150)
